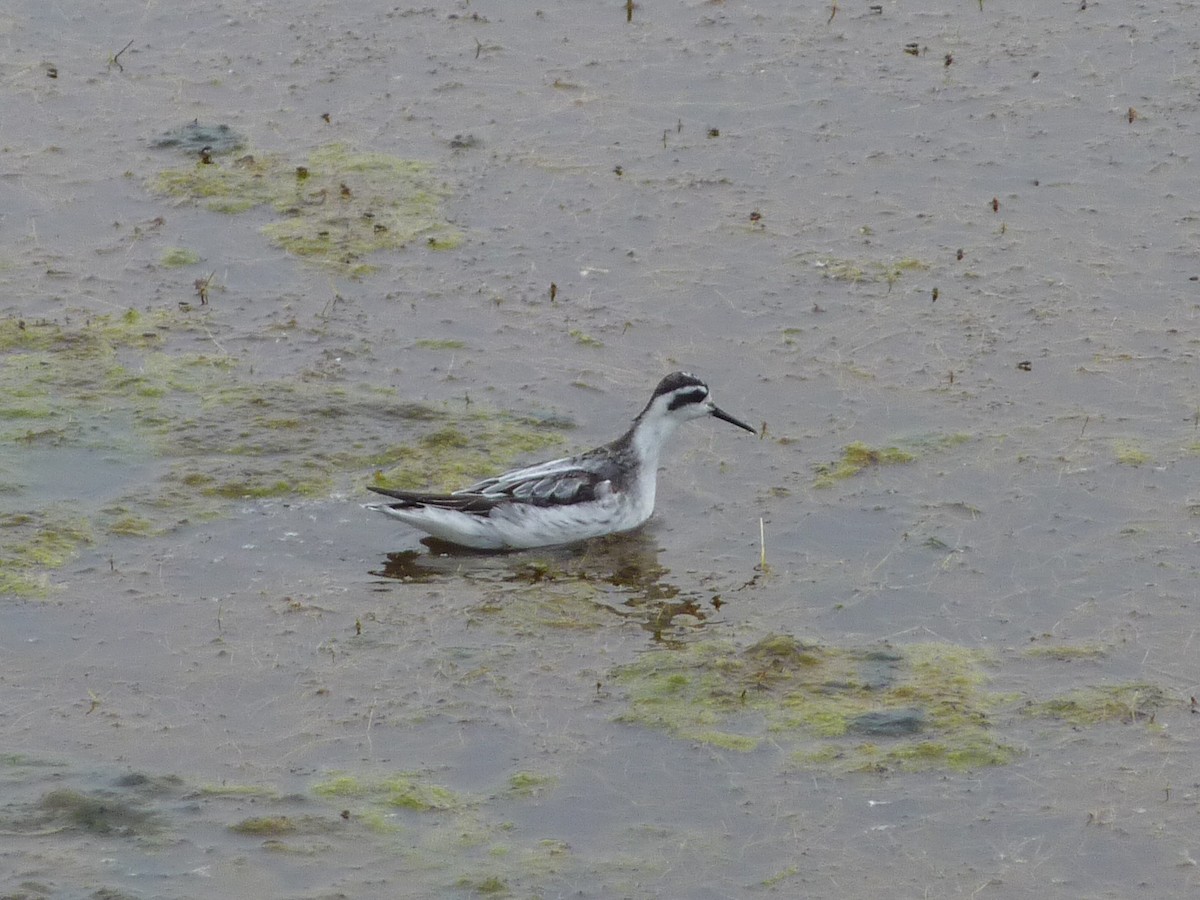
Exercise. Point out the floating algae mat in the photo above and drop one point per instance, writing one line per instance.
(335, 208)
(886, 708)
(108, 432)
(880, 709)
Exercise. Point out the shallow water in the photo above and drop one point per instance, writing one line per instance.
(236, 680)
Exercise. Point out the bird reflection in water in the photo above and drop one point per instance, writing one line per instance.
(624, 569)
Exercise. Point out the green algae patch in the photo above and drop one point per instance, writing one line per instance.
(529, 784)
(1130, 454)
(128, 525)
(178, 257)
(583, 339)
(404, 790)
(88, 334)
(1136, 702)
(888, 708)
(34, 543)
(334, 210)
(867, 270)
(265, 826)
(855, 458)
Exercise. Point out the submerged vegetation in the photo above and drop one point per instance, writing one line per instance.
(186, 433)
(334, 208)
(867, 270)
(887, 708)
(882, 709)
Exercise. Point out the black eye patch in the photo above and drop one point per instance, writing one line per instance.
(696, 395)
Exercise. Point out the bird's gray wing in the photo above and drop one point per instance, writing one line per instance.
(463, 502)
(544, 485)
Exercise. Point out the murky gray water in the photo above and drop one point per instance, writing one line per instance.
(217, 677)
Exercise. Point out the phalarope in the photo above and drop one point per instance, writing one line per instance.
(603, 491)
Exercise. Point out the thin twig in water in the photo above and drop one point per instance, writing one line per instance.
(116, 60)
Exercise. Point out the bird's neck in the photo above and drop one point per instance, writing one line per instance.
(647, 438)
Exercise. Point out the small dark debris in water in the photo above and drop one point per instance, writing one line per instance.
(193, 137)
(51, 71)
(1194, 278)
(346, 815)
(959, 254)
(1195, 706)
(876, 9)
(629, 5)
(301, 172)
(889, 722)
(935, 295)
(379, 228)
(1082, 5)
(206, 155)
(358, 626)
(553, 291)
(618, 171)
(344, 190)
(995, 204)
(818, 308)
(912, 48)
(1025, 365)
(1133, 114)
(714, 132)
(756, 216)
(464, 142)
(949, 60)
(1035, 74)
(832, 12)
(326, 118)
